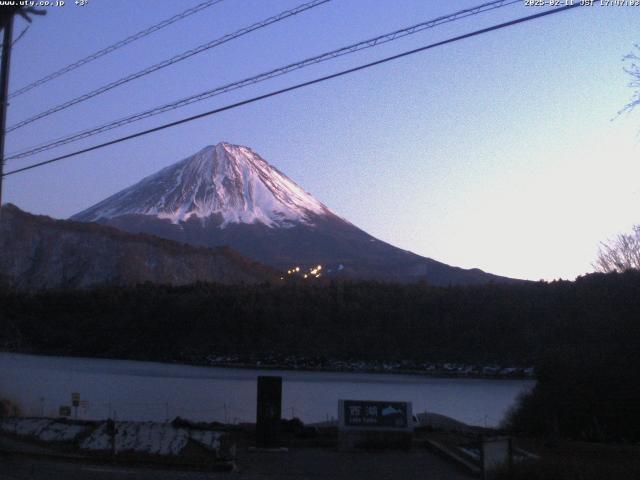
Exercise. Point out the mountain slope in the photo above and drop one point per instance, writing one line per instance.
(39, 253)
(227, 182)
(228, 195)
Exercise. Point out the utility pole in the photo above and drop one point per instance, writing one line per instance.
(4, 90)
(6, 19)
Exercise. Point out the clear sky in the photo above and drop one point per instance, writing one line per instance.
(497, 152)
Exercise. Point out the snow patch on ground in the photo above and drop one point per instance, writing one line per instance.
(150, 437)
(140, 437)
(43, 429)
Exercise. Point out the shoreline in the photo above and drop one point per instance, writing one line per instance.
(344, 367)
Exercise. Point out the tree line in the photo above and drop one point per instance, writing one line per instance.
(516, 324)
(582, 336)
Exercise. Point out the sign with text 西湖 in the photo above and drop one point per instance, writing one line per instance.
(375, 415)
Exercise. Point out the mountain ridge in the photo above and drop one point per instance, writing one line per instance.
(225, 179)
(228, 195)
(40, 252)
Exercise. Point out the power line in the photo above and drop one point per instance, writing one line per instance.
(297, 86)
(116, 46)
(17, 39)
(175, 59)
(370, 43)
(20, 35)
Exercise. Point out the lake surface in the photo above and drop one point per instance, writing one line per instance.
(130, 390)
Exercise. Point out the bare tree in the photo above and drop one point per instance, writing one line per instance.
(620, 254)
(632, 68)
(623, 253)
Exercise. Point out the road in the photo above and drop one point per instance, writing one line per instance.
(297, 464)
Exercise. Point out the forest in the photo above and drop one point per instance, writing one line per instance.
(583, 337)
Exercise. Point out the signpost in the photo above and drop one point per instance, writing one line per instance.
(374, 424)
(495, 453)
(378, 415)
(64, 411)
(75, 401)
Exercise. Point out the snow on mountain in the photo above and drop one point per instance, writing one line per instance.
(224, 180)
(227, 195)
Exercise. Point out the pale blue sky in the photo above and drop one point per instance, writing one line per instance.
(495, 152)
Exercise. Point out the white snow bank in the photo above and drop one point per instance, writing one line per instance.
(43, 429)
(150, 437)
(141, 437)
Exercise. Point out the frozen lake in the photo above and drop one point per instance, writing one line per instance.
(132, 390)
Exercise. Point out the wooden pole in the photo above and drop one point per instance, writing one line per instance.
(4, 91)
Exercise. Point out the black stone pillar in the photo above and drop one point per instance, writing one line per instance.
(268, 414)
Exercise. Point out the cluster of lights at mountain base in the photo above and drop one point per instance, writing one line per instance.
(311, 272)
(227, 194)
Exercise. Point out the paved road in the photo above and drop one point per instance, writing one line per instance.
(298, 464)
(23, 468)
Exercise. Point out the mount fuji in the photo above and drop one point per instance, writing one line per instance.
(228, 195)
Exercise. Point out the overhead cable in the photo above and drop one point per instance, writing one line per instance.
(115, 46)
(175, 59)
(370, 43)
(511, 23)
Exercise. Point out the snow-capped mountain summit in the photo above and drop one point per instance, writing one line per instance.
(227, 195)
(228, 182)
